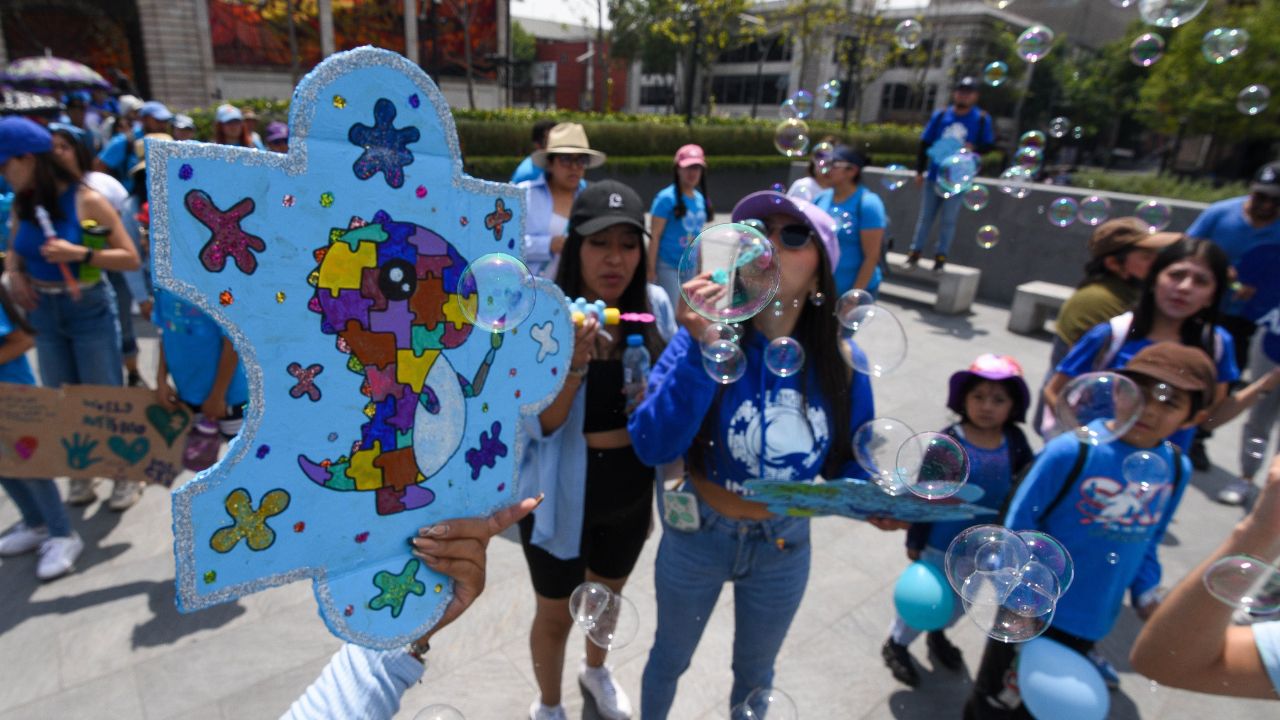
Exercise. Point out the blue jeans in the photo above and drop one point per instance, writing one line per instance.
(78, 341)
(768, 564)
(39, 504)
(930, 204)
(124, 313)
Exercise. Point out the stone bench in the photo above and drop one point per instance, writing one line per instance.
(957, 284)
(1033, 303)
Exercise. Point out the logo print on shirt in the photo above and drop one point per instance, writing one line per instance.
(795, 437)
(1117, 504)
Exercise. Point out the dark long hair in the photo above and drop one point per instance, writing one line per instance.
(680, 209)
(818, 331)
(635, 297)
(84, 155)
(48, 175)
(1197, 330)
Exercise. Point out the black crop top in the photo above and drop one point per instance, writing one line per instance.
(606, 403)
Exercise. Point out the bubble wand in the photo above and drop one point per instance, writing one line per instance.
(580, 310)
(46, 224)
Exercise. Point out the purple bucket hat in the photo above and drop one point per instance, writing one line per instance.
(997, 368)
(767, 202)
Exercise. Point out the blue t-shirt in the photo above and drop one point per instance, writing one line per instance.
(118, 157)
(1266, 636)
(1224, 223)
(947, 132)
(192, 344)
(1110, 527)
(989, 469)
(30, 237)
(865, 211)
(1081, 357)
(526, 170)
(17, 370)
(678, 232)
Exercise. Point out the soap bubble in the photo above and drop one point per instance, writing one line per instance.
(1077, 132)
(1030, 159)
(1146, 49)
(998, 4)
(719, 331)
(439, 712)
(957, 171)
(1099, 407)
(875, 446)
(1154, 214)
(987, 237)
(1062, 212)
(1123, 4)
(829, 94)
(1169, 13)
(1145, 470)
(741, 268)
(1015, 182)
(873, 342)
(977, 197)
(1255, 447)
(791, 137)
(983, 548)
(1222, 44)
(1046, 550)
(607, 618)
(496, 292)
(765, 703)
(895, 177)
(823, 153)
(850, 301)
(1059, 127)
(908, 34)
(1033, 139)
(1245, 583)
(588, 602)
(1094, 210)
(995, 73)
(724, 362)
(784, 357)
(1013, 618)
(1034, 43)
(932, 465)
(799, 106)
(778, 188)
(1253, 99)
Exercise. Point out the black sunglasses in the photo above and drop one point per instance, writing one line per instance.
(794, 236)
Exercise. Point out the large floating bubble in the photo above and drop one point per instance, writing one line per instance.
(724, 361)
(957, 171)
(995, 73)
(784, 357)
(1062, 212)
(1222, 44)
(977, 197)
(987, 237)
(799, 106)
(1245, 583)
(608, 619)
(873, 341)
(740, 270)
(1059, 127)
(850, 301)
(439, 712)
(1169, 13)
(875, 447)
(1029, 158)
(983, 548)
(1033, 139)
(1145, 470)
(765, 703)
(495, 292)
(1154, 214)
(719, 331)
(932, 465)
(829, 94)
(1015, 182)
(791, 137)
(1009, 582)
(1146, 49)
(895, 177)
(1253, 99)
(1034, 43)
(1099, 407)
(908, 34)
(1094, 210)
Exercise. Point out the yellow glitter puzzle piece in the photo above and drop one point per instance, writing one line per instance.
(342, 268)
(250, 525)
(453, 309)
(362, 469)
(412, 369)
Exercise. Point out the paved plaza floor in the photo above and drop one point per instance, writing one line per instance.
(107, 642)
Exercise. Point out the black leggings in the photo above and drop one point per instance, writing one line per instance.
(617, 513)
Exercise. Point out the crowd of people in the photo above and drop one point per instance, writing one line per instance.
(1162, 309)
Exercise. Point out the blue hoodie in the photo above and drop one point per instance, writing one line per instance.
(767, 427)
(1111, 528)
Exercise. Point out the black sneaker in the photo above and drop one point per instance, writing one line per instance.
(939, 262)
(948, 655)
(1199, 458)
(135, 380)
(913, 258)
(899, 662)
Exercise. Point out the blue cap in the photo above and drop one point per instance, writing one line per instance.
(227, 113)
(20, 136)
(156, 110)
(635, 340)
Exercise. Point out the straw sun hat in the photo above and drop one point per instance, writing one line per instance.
(568, 139)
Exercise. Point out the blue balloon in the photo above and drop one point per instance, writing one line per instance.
(923, 597)
(1058, 683)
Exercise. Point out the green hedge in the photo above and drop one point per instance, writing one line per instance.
(1153, 185)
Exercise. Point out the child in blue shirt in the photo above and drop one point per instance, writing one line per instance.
(1111, 526)
(678, 213)
(991, 399)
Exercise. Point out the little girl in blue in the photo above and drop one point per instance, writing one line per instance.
(44, 525)
(991, 399)
(678, 213)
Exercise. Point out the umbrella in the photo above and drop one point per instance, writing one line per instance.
(18, 102)
(52, 73)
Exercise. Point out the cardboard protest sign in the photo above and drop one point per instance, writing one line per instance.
(378, 405)
(89, 431)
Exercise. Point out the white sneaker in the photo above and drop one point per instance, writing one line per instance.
(1237, 492)
(58, 555)
(599, 685)
(538, 711)
(81, 492)
(22, 539)
(124, 495)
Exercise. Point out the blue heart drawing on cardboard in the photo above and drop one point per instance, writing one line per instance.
(130, 452)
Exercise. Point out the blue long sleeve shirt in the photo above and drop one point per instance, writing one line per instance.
(358, 683)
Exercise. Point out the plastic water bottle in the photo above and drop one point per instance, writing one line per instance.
(635, 369)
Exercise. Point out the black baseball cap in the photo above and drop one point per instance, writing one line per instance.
(605, 204)
(1267, 181)
(968, 82)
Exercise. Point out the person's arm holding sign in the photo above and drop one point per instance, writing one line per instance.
(214, 406)
(364, 683)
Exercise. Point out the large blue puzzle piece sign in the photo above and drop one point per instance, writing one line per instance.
(376, 407)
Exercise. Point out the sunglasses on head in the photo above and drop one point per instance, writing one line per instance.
(792, 235)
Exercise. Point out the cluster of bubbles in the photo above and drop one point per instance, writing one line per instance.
(900, 460)
(439, 712)
(1009, 582)
(1245, 583)
(496, 292)
(791, 136)
(770, 703)
(608, 619)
